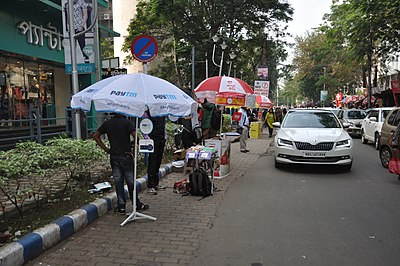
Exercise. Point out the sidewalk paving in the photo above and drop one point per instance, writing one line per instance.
(170, 240)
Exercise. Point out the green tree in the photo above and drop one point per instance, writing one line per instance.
(368, 29)
(178, 25)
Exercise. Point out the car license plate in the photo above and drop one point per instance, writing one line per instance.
(314, 154)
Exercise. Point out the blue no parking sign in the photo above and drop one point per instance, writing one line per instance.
(144, 48)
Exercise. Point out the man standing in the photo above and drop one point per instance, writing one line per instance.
(208, 131)
(118, 130)
(244, 125)
(158, 135)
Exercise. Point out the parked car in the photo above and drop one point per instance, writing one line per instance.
(333, 110)
(371, 125)
(388, 128)
(312, 136)
(354, 117)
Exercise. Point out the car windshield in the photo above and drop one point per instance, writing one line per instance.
(355, 114)
(311, 120)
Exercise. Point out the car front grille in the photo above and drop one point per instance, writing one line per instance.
(315, 160)
(323, 146)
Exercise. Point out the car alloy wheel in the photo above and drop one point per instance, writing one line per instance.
(385, 155)
(363, 139)
(377, 140)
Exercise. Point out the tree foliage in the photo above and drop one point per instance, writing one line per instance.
(356, 35)
(247, 27)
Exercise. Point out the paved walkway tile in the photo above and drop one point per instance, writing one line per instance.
(171, 240)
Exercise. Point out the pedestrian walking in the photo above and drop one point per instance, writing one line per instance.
(244, 126)
(269, 119)
(118, 130)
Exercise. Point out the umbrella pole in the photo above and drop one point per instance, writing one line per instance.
(136, 215)
(222, 121)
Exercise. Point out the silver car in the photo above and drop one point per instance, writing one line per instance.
(312, 136)
(354, 117)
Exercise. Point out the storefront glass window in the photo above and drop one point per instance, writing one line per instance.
(25, 84)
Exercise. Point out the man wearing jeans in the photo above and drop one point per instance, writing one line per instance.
(118, 130)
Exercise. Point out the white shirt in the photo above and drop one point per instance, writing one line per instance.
(244, 120)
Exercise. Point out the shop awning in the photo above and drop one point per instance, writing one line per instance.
(106, 32)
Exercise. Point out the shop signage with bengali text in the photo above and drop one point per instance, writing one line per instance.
(234, 100)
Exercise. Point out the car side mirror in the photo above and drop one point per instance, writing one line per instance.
(373, 119)
(276, 124)
(346, 125)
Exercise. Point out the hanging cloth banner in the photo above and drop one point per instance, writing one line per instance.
(230, 99)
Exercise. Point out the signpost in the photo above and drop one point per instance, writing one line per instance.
(144, 48)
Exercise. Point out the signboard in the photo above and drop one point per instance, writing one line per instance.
(251, 101)
(111, 72)
(85, 56)
(231, 99)
(324, 95)
(146, 126)
(144, 48)
(146, 145)
(261, 87)
(262, 73)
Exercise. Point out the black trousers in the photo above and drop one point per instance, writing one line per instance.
(154, 163)
(270, 130)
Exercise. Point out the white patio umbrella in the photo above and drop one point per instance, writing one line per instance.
(132, 95)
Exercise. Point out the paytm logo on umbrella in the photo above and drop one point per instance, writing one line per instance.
(164, 97)
(124, 93)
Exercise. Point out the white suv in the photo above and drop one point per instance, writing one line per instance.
(371, 126)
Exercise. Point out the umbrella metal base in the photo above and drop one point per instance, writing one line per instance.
(137, 216)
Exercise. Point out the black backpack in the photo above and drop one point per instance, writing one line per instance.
(216, 117)
(200, 183)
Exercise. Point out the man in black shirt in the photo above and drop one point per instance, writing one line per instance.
(118, 130)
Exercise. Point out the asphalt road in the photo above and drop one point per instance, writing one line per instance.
(308, 216)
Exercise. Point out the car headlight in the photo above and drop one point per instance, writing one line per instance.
(343, 143)
(284, 142)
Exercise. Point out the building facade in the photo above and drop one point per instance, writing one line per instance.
(32, 62)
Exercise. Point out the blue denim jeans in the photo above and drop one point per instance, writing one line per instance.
(122, 170)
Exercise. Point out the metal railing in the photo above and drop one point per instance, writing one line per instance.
(39, 129)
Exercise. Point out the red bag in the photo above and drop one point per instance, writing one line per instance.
(394, 166)
(236, 116)
(182, 187)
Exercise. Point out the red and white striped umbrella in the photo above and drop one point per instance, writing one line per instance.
(263, 101)
(222, 87)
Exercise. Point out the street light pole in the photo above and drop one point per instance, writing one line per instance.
(232, 56)
(215, 39)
